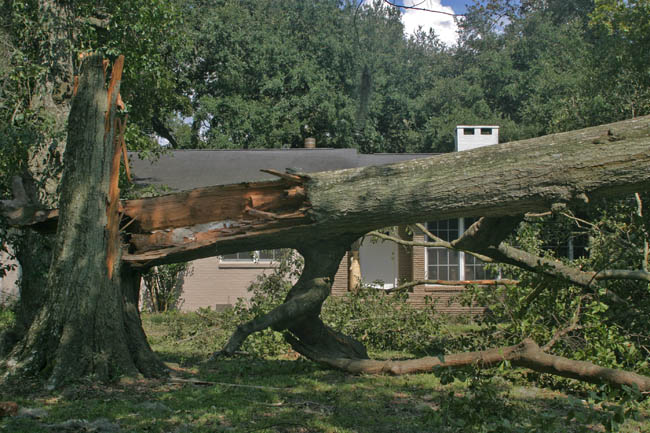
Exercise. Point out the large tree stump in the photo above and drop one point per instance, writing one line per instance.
(89, 323)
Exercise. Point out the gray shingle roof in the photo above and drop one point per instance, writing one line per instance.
(188, 169)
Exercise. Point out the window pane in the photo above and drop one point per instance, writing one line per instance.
(442, 257)
(447, 230)
(267, 254)
(454, 258)
(242, 256)
(475, 269)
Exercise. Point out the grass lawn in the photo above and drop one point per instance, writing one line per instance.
(286, 394)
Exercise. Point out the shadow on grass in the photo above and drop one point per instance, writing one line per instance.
(250, 394)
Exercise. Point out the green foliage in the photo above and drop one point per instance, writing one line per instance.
(583, 324)
(302, 393)
(163, 286)
(385, 321)
(7, 318)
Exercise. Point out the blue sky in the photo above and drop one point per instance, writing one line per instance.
(444, 26)
(458, 5)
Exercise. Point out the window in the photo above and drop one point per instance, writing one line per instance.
(561, 237)
(444, 264)
(252, 256)
(468, 131)
(486, 131)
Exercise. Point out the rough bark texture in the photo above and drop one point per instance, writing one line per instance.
(501, 180)
(504, 179)
(88, 324)
(299, 314)
(526, 354)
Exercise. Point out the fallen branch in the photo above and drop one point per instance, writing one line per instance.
(525, 354)
(439, 243)
(411, 284)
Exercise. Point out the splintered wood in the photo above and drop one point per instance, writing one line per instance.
(207, 215)
(112, 139)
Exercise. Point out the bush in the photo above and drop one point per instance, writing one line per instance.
(384, 321)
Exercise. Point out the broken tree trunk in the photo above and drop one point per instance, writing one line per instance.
(89, 323)
(331, 209)
(500, 180)
(505, 179)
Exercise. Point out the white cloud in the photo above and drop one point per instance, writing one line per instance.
(444, 26)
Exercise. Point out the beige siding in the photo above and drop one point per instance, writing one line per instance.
(215, 285)
(9, 283)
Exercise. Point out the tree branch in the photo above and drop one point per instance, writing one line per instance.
(410, 284)
(526, 354)
(438, 244)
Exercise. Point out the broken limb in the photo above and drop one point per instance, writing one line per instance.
(525, 354)
(411, 284)
(299, 313)
(484, 240)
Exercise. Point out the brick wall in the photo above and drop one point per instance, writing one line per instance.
(340, 286)
(404, 257)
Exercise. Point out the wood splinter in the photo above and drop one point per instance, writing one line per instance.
(286, 176)
(260, 213)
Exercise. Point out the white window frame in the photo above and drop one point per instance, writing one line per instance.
(254, 258)
(461, 255)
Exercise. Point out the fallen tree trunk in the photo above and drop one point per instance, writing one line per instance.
(300, 312)
(505, 179)
(526, 354)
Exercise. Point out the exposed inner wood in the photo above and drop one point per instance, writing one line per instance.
(497, 181)
(111, 134)
(216, 204)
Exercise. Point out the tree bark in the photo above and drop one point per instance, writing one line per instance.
(300, 311)
(526, 354)
(500, 180)
(89, 322)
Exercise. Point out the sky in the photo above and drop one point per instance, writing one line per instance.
(443, 25)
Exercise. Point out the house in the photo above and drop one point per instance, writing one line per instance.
(217, 282)
(8, 282)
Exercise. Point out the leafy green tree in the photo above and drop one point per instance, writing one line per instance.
(163, 286)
